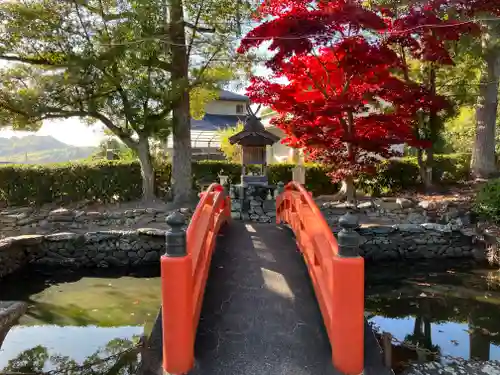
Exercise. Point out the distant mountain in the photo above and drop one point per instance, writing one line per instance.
(35, 149)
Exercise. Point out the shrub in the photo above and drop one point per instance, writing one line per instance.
(487, 201)
(316, 179)
(102, 181)
(401, 174)
(107, 181)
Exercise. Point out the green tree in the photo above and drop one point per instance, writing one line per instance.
(458, 82)
(459, 131)
(483, 161)
(118, 357)
(137, 66)
(231, 152)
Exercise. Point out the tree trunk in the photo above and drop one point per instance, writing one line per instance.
(348, 190)
(433, 134)
(425, 168)
(181, 132)
(483, 154)
(429, 161)
(479, 343)
(348, 184)
(147, 170)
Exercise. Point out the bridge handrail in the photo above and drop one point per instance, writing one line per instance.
(184, 276)
(306, 196)
(338, 280)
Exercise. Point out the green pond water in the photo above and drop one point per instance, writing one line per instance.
(76, 319)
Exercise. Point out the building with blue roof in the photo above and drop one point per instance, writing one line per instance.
(226, 111)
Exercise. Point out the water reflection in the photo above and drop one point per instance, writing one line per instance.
(101, 299)
(78, 319)
(118, 356)
(453, 314)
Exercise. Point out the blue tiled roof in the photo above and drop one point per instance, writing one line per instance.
(215, 122)
(228, 95)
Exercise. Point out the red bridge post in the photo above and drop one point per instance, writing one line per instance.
(348, 299)
(177, 299)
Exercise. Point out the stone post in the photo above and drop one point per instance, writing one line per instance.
(223, 180)
(281, 187)
(348, 238)
(175, 238)
(299, 174)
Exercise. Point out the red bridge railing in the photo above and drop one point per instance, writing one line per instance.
(337, 276)
(184, 272)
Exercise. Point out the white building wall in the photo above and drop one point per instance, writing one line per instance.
(279, 153)
(225, 107)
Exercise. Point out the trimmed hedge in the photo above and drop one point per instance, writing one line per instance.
(70, 182)
(107, 181)
(402, 174)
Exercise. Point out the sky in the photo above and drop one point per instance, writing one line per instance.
(76, 133)
(72, 131)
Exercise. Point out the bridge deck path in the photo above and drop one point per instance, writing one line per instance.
(260, 315)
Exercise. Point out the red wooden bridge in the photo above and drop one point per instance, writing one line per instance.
(237, 298)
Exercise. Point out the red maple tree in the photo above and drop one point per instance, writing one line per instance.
(346, 99)
(426, 32)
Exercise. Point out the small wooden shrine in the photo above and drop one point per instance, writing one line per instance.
(253, 139)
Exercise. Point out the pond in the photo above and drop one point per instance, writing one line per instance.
(453, 312)
(76, 319)
(79, 323)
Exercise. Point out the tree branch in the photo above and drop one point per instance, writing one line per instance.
(31, 61)
(199, 28)
(198, 15)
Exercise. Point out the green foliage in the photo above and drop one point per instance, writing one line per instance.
(113, 62)
(397, 175)
(120, 150)
(106, 61)
(109, 181)
(69, 182)
(487, 201)
(117, 357)
(231, 152)
(459, 131)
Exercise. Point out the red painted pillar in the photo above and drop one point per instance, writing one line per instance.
(177, 300)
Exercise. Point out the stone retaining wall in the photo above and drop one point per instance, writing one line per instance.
(412, 242)
(28, 220)
(390, 230)
(404, 229)
(93, 249)
(144, 246)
